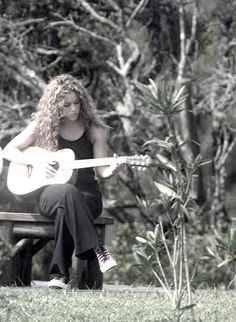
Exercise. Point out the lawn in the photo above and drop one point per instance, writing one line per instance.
(43, 305)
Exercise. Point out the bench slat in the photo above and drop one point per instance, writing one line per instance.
(21, 216)
(33, 231)
(36, 217)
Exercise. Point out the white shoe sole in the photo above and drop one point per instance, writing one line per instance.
(57, 284)
(108, 265)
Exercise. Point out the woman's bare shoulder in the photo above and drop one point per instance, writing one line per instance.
(32, 126)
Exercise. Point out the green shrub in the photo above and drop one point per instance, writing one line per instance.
(123, 250)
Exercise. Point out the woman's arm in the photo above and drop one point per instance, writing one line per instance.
(99, 140)
(13, 150)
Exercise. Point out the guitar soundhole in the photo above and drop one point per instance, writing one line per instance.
(54, 164)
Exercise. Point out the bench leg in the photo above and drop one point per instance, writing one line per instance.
(94, 278)
(6, 236)
(85, 274)
(23, 263)
(78, 273)
(94, 275)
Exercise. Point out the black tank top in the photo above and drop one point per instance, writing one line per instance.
(83, 149)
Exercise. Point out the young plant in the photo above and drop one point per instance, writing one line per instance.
(173, 192)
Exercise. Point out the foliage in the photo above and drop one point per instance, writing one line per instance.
(163, 100)
(205, 271)
(223, 249)
(123, 250)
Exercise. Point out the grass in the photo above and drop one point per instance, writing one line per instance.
(42, 305)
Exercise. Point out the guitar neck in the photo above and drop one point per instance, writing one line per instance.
(90, 163)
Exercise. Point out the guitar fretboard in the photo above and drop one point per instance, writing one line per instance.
(90, 163)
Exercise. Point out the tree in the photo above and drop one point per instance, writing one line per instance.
(111, 45)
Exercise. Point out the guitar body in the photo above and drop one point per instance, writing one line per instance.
(23, 179)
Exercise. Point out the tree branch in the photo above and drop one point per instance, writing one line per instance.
(192, 38)
(46, 52)
(22, 23)
(182, 61)
(98, 17)
(28, 22)
(92, 34)
(136, 11)
(125, 67)
(53, 63)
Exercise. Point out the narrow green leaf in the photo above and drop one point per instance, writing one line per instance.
(160, 143)
(224, 262)
(177, 95)
(153, 88)
(141, 240)
(150, 235)
(185, 210)
(180, 102)
(166, 162)
(205, 162)
(165, 190)
(143, 257)
(157, 231)
(187, 307)
(222, 244)
(210, 251)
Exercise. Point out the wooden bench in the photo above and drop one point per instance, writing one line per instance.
(27, 233)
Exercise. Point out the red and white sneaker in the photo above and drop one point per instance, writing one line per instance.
(105, 259)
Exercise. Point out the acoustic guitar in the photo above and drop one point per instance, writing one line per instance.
(24, 179)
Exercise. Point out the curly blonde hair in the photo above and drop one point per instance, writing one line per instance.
(49, 117)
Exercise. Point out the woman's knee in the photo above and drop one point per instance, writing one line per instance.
(57, 196)
(68, 190)
(57, 192)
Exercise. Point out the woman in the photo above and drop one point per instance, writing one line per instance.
(66, 118)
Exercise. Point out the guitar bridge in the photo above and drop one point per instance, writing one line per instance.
(29, 170)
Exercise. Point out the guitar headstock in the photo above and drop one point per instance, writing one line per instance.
(141, 161)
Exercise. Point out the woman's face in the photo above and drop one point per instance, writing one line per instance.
(71, 106)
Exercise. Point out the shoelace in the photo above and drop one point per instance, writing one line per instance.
(102, 254)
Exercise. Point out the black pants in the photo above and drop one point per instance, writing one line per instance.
(73, 210)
